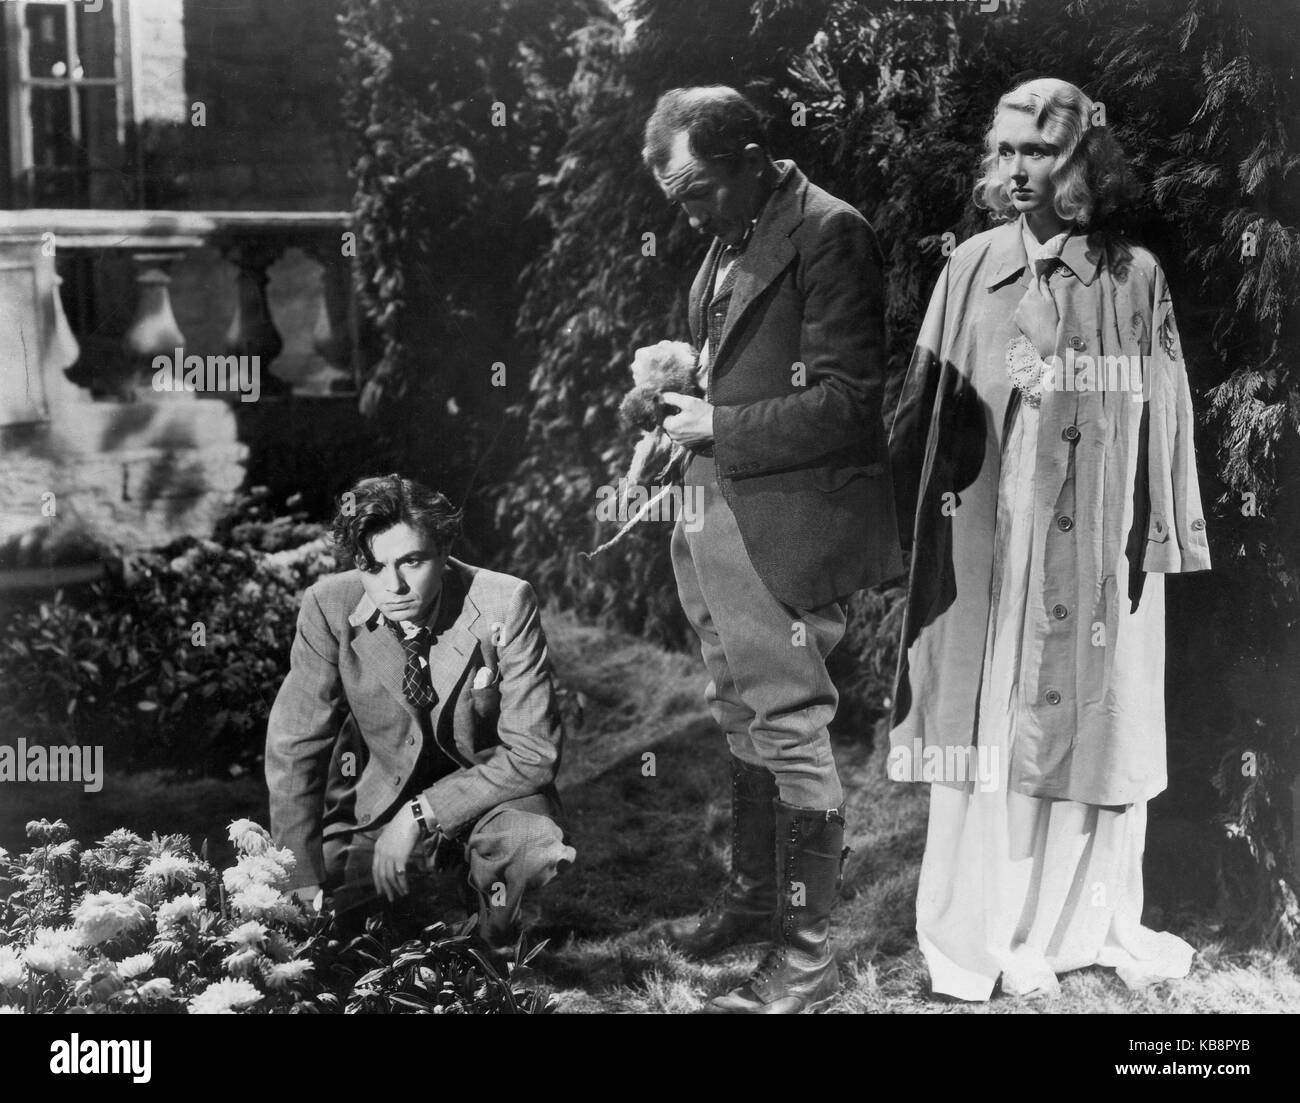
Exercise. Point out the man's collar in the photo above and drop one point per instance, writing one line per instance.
(1009, 258)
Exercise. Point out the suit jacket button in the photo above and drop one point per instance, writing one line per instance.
(1052, 697)
(1065, 524)
(1078, 343)
(1070, 432)
(1198, 525)
(397, 779)
(1060, 612)
(410, 739)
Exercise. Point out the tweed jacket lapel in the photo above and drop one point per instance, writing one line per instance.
(769, 249)
(455, 642)
(382, 655)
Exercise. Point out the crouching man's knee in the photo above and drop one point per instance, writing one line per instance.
(516, 848)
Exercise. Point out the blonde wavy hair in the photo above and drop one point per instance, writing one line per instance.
(1091, 175)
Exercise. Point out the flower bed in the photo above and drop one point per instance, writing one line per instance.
(147, 926)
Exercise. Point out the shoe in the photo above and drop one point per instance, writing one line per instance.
(798, 973)
(742, 912)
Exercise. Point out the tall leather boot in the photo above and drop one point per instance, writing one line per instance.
(743, 910)
(799, 972)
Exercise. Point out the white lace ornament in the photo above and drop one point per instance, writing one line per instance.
(1026, 369)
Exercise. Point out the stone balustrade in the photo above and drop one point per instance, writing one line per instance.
(102, 456)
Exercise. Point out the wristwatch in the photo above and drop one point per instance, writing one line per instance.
(417, 810)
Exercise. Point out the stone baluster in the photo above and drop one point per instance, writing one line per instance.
(60, 348)
(252, 330)
(154, 331)
(334, 335)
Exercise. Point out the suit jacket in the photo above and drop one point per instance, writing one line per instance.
(801, 452)
(343, 695)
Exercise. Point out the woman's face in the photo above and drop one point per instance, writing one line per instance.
(1025, 161)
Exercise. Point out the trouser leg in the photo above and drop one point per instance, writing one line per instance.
(767, 659)
(514, 849)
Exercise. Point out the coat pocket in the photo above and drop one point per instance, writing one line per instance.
(831, 479)
(486, 697)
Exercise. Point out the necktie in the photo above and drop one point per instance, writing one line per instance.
(1037, 318)
(721, 298)
(415, 680)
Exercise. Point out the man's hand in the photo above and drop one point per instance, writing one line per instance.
(391, 853)
(693, 423)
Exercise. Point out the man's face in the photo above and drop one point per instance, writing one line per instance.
(719, 197)
(407, 577)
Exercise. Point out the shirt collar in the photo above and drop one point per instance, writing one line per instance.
(1010, 257)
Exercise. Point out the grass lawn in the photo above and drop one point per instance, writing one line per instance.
(652, 835)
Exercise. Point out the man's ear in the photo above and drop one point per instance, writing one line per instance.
(754, 157)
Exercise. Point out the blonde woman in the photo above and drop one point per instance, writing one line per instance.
(1043, 449)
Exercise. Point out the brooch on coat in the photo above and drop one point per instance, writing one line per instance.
(1026, 369)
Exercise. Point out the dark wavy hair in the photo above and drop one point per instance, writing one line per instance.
(376, 504)
(719, 123)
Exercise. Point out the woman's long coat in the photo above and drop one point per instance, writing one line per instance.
(1116, 505)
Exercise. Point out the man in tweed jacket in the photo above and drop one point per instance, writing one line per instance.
(418, 714)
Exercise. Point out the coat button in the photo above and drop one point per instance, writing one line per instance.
(1065, 524)
(1052, 697)
(1060, 612)
(410, 739)
(397, 779)
(1198, 525)
(1070, 432)
(1078, 343)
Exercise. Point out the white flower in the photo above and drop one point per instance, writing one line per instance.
(151, 991)
(242, 963)
(6, 1009)
(221, 997)
(169, 867)
(135, 966)
(11, 967)
(287, 972)
(104, 915)
(251, 933)
(256, 869)
(262, 902)
(249, 837)
(176, 913)
(55, 951)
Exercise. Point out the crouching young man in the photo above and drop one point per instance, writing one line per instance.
(418, 719)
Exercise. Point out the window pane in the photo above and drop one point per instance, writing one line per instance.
(95, 40)
(102, 155)
(47, 35)
(51, 128)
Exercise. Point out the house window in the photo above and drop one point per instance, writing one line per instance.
(67, 90)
